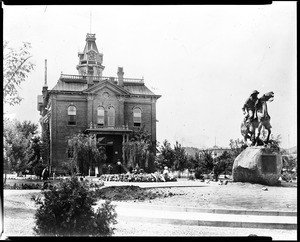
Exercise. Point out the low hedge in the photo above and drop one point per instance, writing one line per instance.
(45, 185)
(22, 186)
(152, 177)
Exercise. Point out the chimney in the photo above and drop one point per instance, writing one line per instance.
(45, 86)
(120, 76)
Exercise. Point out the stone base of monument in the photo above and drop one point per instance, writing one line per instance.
(257, 165)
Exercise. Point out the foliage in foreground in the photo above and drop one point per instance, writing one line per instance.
(66, 209)
(16, 68)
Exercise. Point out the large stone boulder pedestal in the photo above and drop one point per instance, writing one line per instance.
(257, 165)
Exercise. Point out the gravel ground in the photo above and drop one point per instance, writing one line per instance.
(19, 210)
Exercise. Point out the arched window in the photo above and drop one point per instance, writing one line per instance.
(100, 116)
(137, 117)
(111, 116)
(72, 115)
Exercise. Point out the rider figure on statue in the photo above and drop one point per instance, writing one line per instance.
(249, 107)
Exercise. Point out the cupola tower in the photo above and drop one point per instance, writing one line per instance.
(90, 60)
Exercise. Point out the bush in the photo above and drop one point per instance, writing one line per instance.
(288, 176)
(66, 209)
(198, 174)
(191, 177)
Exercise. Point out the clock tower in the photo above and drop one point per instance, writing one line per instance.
(90, 60)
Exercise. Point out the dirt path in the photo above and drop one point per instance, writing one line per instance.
(19, 209)
(233, 196)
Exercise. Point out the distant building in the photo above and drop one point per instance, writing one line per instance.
(217, 151)
(110, 107)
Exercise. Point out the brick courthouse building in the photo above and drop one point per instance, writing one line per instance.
(110, 107)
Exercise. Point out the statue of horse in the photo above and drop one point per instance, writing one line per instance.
(263, 117)
(248, 128)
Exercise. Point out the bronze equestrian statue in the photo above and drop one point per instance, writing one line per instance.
(250, 121)
(256, 117)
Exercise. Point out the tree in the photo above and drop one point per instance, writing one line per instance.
(223, 163)
(180, 157)
(237, 146)
(206, 161)
(16, 67)
(198, 167)
(6, 161)
(34, 155)
(197, 159)
(18, 144)
(166, 156)
(191, 162)
(27, 128)
(84, 151)
(139, 150)
(45, 144)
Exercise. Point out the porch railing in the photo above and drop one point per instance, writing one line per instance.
(118, 127)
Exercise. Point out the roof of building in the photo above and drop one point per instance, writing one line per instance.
(135, 89)
(69, 86)
(138, 89)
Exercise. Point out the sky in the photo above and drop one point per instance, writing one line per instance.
(204, 60)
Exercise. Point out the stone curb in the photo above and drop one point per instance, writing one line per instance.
(206, 210)
(210, 223)
(156, 184)
(206, 219)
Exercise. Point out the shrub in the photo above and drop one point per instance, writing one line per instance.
(198, 173)
(191, 177)
(66, 209)
(288, 176)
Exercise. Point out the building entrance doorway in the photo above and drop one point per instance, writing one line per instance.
(110, 153)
